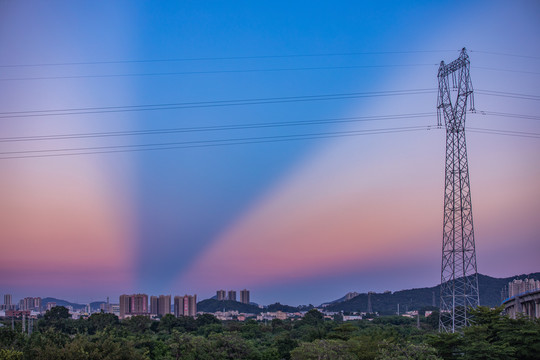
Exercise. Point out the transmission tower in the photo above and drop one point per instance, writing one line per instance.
(459, 279)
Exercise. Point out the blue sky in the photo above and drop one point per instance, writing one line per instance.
(177, 221)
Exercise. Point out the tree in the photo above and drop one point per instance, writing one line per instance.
(323, 350)
(406, 351)
(6, 354)
(100, 321)
(167, 323)
(343, 331)
(207, 319)
(57, 319)
(138, 324)
(484, 339)
(284, 345)
(11, 339)
(313, 317)
(448, 345)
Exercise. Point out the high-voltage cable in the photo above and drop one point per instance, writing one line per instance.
(208, 104)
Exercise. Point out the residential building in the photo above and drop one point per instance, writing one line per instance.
(154, 305)
(164, 305)
(139, 304)
(231, 295)
(244, 296)
(136, 304)
(185, 305)
(30, 303)
(220, 295)
(124, 306)
(8, 305)
(520, 286)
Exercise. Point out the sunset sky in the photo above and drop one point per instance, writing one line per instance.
(212, 193)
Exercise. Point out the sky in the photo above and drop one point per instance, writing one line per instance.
(289, 148)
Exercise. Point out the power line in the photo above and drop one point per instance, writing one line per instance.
(505, 54)
(504, 132)
(238, 141)
(199, 144)
(209, 72)
(162, 131)
(504, 70)
(243, 102)
(508, 94)
(207, 104)
(503, 114)
(213, 72)
(209, 141)
(214, 128)
(248, 57)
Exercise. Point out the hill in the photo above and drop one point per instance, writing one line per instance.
(416, 299)
(59, 302)
(213, 305)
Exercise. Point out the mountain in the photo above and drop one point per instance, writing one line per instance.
(59, 302)
(416, 299)
(213, 305)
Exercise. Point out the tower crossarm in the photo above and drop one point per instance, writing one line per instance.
(458, 72)
(461, 61)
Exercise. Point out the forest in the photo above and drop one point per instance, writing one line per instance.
(103, 336)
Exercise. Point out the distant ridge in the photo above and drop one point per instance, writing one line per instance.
(417, 299)
(384, 303)
(59, 302)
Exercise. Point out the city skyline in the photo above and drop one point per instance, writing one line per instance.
(358, 208)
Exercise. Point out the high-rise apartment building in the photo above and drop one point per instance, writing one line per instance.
(185, 305)
(178, 306)
(244, 296)
(136, 304)
(160, 305)
(154, 305)
(37, 304)
(220, 295)
(7, 303)
(231, 295)
(139, 304)
(520, 286)
(164, 305)
(124, 305)
(30, 303)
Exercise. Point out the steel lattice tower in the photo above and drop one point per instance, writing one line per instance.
(459, 279)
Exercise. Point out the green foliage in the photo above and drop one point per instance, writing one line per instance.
(7, 354)
(100, 321)
(448, 345)
(10, 339)
(343, 332)
(284, 345)
(207, 319)
(279, 307)
(490, 336)
(323, 350)
(406, 351)
(103, 336)
(138, 324)
(57, 319)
